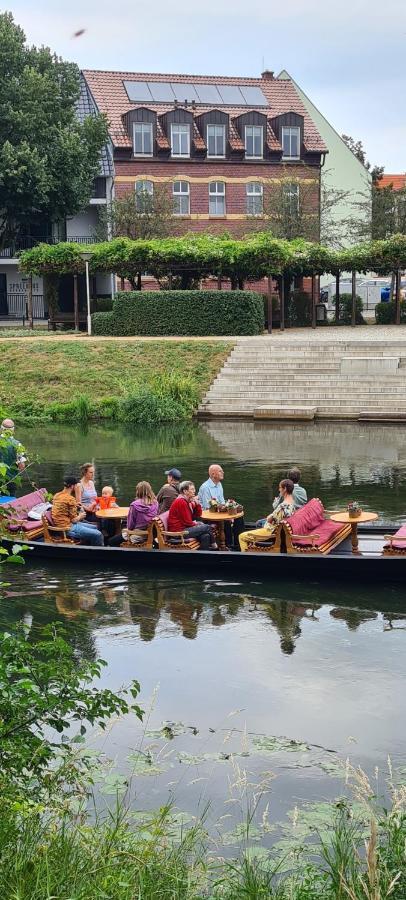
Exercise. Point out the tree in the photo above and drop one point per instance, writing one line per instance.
(48, 159)
(357, 148)
(299, 206)
(141, 215)
(45, 691)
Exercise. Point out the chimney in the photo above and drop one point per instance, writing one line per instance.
(267, 75)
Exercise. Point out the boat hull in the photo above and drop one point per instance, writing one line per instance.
(338, 566)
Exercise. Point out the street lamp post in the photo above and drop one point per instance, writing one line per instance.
(86, 256)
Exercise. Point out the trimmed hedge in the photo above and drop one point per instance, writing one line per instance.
(385, 312)
(182, 313)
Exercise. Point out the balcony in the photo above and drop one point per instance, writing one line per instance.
(26, 243)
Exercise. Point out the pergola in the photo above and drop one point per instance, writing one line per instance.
(255, 257)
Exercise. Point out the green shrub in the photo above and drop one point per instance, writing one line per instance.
(385, 312)
(182, 312)
(299, 310)
(102, 304)
(167, 398)
(346, 307)
(103, 323)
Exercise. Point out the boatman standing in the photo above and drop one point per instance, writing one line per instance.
(12, 454)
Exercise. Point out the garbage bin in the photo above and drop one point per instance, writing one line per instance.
(321, 312)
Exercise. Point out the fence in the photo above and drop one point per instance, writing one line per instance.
(17, 306)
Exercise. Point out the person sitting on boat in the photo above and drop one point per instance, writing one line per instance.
(170, 490)
(285, 508)
(299, 492)
(212, 489)
(183, 515)
(12, 454)
(142, 511)
(65, 515)
(86, 494)
(107, 499)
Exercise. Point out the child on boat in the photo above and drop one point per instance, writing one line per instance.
(106, 501)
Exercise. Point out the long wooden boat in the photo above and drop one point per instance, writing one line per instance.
(339, 565)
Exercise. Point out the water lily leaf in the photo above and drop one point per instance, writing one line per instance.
(145, 764)
(273, 744)
(169, 730)
(240, 834)
(334, 768)
(114, 784)
(189, 759)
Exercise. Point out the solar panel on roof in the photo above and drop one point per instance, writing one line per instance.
(253, 96)
(137, 90)
(230, 93)
(184, 92)
(208, 93)
(161, 91)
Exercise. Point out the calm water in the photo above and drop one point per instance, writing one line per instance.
(235, 665)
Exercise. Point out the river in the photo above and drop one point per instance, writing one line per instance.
(254, 678)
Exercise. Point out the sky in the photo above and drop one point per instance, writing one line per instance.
(348, 56)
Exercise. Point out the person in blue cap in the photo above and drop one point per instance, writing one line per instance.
(169, 491)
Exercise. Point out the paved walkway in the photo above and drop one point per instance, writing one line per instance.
(367, 333)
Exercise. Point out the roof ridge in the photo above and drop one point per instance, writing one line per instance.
(149, 75)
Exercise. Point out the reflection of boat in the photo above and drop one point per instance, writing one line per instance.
(368, 566)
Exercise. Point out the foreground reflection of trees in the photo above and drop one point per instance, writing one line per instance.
(157, 608)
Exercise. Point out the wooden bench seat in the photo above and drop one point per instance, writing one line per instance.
(172, 540)
(309, 530)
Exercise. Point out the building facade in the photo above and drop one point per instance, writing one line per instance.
(216, 144)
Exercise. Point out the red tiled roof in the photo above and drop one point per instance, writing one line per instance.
(397, 181)
(109, 93)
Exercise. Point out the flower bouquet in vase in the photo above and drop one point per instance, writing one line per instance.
(354, 510)
(213, 505)
(232, 507)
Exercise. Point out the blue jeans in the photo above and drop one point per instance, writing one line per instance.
(86, 534)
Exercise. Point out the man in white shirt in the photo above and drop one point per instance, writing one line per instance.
(213, 489)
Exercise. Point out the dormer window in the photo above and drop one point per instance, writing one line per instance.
(290, 142)
(143, 139)
(254, 141)
(216, 140)
(180, 139)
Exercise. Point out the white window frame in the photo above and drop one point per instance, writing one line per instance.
(219, 132)
(291, 191)
(289, 130)
(255, 191)
(181, 194)
(215, 195)
(148, 187)
(183, 128)
(253, 129)
(145, 128)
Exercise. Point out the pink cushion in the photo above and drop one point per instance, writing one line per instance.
(401, 532)
(24, 525)
(22, 505)
(308, 518)
(164, 519)
(326, 530)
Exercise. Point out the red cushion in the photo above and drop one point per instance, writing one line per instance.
(163, 518)
(326, 530)
(308, 518)
(401, 532)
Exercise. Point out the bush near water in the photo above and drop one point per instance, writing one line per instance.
(182, 313)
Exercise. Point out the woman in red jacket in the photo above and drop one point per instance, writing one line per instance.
(183, 514)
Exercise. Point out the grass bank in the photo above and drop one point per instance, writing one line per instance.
(146, 381)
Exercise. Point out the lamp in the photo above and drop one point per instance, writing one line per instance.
(86, 256)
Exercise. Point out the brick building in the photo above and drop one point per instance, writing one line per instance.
(217, 144)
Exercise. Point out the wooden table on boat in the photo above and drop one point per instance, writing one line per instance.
(345, 517)
(117, 513)
(219, 518)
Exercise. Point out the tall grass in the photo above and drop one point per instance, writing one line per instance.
(63, 856)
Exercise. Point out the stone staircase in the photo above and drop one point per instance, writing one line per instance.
(283, 378)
